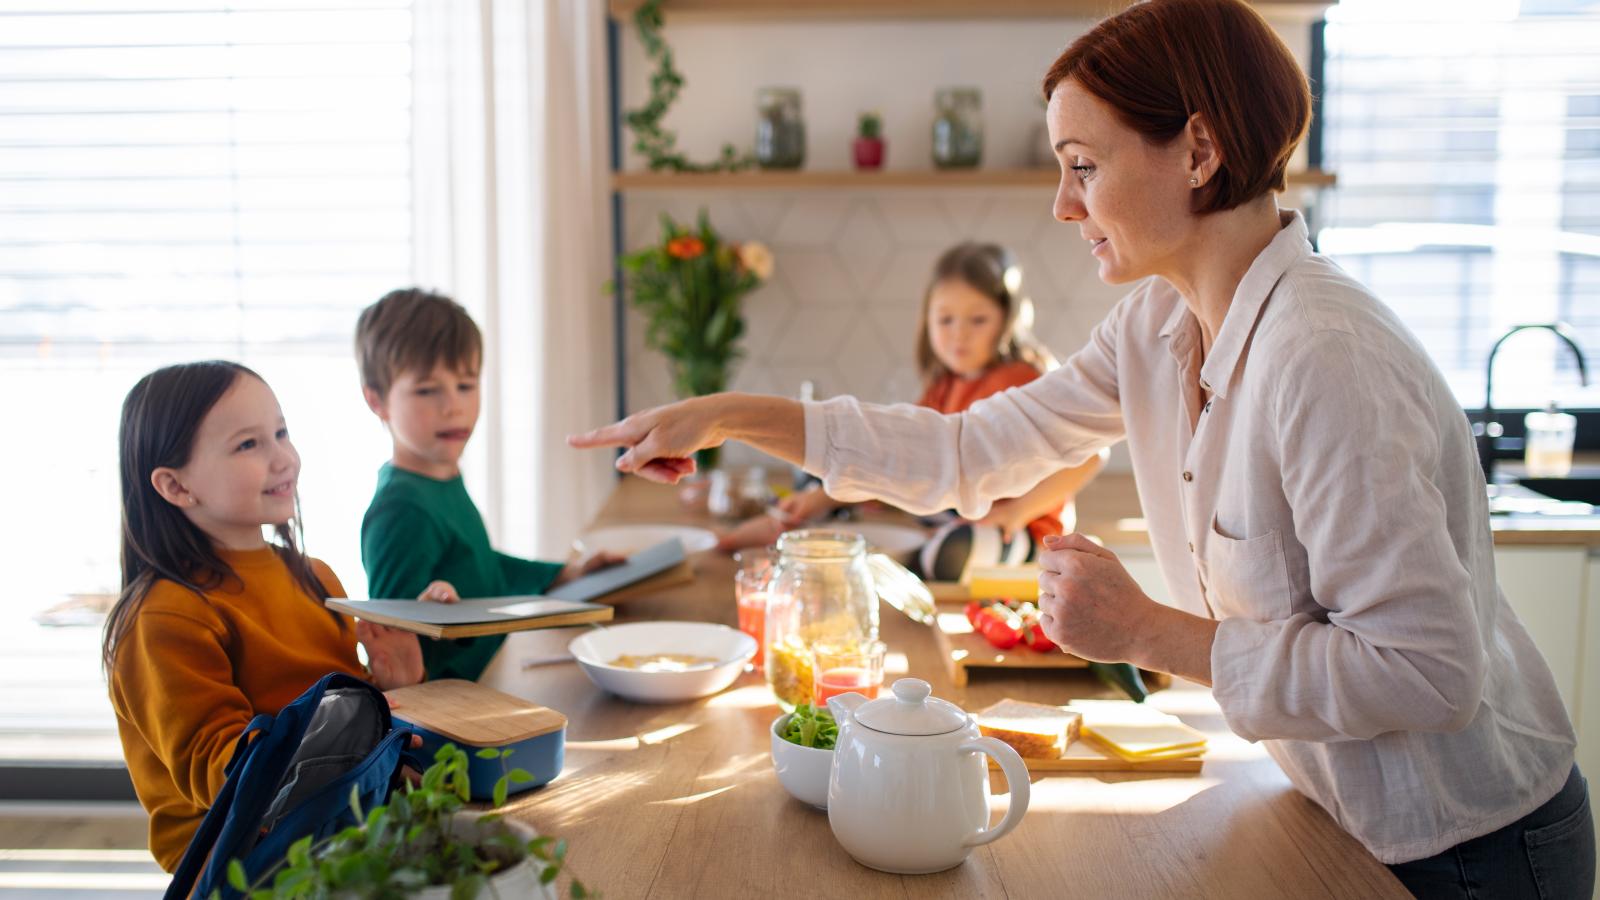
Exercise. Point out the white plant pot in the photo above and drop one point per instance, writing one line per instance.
(519, 881)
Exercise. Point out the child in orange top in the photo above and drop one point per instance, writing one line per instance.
(216, 624)
(975, 340)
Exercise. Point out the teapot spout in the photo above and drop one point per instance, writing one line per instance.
(843, 706)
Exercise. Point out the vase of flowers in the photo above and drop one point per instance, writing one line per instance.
(690, 286)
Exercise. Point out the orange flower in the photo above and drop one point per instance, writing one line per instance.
(685, 247)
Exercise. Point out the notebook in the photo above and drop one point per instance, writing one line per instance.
(473, 618)
(662, 558)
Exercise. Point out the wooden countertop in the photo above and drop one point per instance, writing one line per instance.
(1109, 509)
(681, 800)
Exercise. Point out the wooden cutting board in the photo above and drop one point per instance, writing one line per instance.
(963, 649)
(1083, 756)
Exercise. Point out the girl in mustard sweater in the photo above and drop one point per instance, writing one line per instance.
(215, 623)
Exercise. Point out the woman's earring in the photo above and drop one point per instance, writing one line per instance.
(1194, 182)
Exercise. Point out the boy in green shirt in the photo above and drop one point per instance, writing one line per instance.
(419, 355)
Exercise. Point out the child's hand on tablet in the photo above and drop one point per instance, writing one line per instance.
(440, 592)
(601, 559)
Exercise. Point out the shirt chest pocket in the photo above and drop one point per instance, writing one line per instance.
(1247, 577)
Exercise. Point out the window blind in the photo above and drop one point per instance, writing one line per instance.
(187, 180)
(1466, 138)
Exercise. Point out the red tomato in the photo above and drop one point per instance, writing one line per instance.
(1037, 639)
(973, 608)
(1001, 627)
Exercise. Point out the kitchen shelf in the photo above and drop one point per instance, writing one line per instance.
(807, 180)
(797, 10)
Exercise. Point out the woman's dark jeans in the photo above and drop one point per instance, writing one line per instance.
(1546, 855)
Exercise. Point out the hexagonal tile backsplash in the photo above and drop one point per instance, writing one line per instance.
(841, 310)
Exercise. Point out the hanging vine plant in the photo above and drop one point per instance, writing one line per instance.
(659, 145)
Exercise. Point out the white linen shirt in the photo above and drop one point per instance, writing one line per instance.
(1326, 505)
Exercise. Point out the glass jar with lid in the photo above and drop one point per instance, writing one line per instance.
(824, 592)
(780, 131)
(957, 128)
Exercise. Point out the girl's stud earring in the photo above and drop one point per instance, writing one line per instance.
(1194, 182)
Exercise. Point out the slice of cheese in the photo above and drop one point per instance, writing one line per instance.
(1100, 743)
(996, 582)
(1138, 730)
(1136, 739)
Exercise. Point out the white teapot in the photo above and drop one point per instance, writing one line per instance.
(909, 789)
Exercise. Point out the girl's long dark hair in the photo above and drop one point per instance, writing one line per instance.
(992, 271)
(160, 418)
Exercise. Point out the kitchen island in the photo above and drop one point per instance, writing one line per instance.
(681, 800)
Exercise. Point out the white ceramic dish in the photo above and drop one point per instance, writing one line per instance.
(803, 771)
(630, 539)
(731, 648)
(899, 542)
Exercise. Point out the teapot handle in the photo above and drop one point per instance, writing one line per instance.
(1017, 784)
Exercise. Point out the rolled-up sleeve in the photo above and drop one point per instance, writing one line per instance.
(1400, 646)
(1002, 446)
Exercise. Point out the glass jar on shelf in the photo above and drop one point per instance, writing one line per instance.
(957, 128)
(780, 130)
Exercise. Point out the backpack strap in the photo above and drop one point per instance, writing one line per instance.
(245, 750)
(328, 810)
(258, 781)
(205, 837)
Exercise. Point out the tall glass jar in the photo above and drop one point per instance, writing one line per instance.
(780, 131)
(957, 128)
(821, 592)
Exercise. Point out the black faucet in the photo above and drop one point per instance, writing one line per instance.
(1487, 430)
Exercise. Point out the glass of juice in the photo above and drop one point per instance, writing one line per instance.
(750, 595)
(842, 669)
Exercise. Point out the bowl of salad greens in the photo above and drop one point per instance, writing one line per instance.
(802, 752)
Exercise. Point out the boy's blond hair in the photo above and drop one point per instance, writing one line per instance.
(413, 330)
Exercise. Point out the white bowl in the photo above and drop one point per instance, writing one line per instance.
(730, 647)
(898, 542)
(627, 540)
(803, 771)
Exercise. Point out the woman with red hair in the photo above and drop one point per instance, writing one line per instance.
(1308, 478)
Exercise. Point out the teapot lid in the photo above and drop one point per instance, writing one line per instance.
(910, 711)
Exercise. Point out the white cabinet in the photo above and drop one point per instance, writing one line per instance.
(1589, 685)
(1547, 586)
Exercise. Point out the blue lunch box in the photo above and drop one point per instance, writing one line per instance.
(471, 716)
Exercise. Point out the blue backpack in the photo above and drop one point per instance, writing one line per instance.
(291, 776)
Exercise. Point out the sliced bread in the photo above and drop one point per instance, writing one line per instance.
(1034, 730)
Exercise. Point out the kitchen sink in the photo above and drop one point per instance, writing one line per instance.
(1584, 488)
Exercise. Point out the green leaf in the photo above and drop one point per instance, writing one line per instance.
(501, 788)
(549, 875)
(467, 888)
(487, 753)
(236, 877)
(519, 776)
(300, 852)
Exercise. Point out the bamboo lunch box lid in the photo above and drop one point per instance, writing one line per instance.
(469, 713)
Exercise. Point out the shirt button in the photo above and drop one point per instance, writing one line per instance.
(1188, 476)
(1204, 386)
(1208, 407)
(1191, 546)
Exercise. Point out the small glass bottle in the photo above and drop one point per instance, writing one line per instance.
(958, 128)
(1549, 440)
(780, 131)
